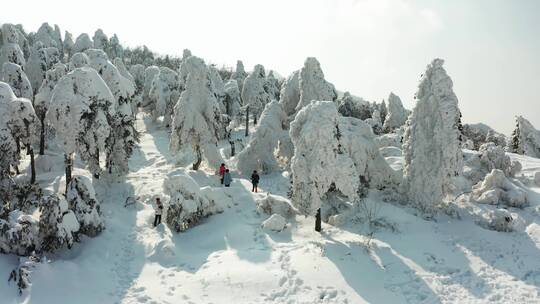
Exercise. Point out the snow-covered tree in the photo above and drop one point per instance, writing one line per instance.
(57, 224)
(10, 50)
(13, 75)
(333, 154)
(196, 114)
(239, 74)
(101, 41)
(313, 86)
(68, 43)
(375, 122)
(232, 99)
(217, 85)
(78, 60)
(259, 153)
(43, 98)
(8, 150)
(480, 134)
(290, 93)
(19, 234)
(15, 34)
(37, 65)
(272, 86)
(164, 94)
(82, 43)
(137, 71)
(397, 114)
(115, 50)
(348, 106)
(149, 74)
(48, 37)
(253, 93)
(383, 111)
(119, 63)
(431, 144)
(82, 201)
(525, 138)
(80, 104)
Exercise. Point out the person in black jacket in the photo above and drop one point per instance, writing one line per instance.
(255, 181)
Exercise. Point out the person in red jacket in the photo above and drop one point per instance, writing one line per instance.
(222, 172)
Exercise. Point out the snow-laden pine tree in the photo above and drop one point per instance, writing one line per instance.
(78, 60)
(13, 75)
(217, 86)
(80, 104)
(15, 34)
(253, 93)
(431, 146)
(383, 111)
(525, 138)
(114, 50)
(68, 44)
(100, 39)
(37, 65)
(259, 153)
(333, 154)
(43, 98)
(272, 86)
(196, 115)
(10, 50)
(313, 86)
(82, 200)
(8, 150)
(232, 99)
(48, 36)
(19, 234)
(82, 43)
(57, 224)
(239, 74)
(290, 93)
(124, 136)
(397, 114)
(164, 94)
(149, 74)
(119, 64)
(137, 71)
(350, 106)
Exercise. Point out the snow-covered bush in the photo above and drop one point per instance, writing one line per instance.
(496, 188)
(19, 234)
(82, 43)
(82, 201)
(354, 107)
(253, 92)
(431, 144)
(187, 206)
(397, 114)
(499, 220)
(259, 153)
(239, 74)
(313, 86)
(493, 156)
(290, 93)
(164, 94)
(525, 138)
(13, 75)
(272, 204)
(232, 99)
(195, 121)
(57, 224)
(333, 154)
(275, 223)
(480, 134)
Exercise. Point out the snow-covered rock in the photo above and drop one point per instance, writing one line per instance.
(275, 223)
(496, 188)
(272, 204)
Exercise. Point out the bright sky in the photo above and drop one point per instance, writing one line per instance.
(367, 47)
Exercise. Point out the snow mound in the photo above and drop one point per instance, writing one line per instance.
(275, 222)
(496, 188)
(390, 151)
(273, 204)
(498, 220)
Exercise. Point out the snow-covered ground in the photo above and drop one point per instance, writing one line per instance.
(229, 258)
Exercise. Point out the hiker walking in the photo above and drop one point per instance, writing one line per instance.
(227, 179)
(222, 172)
(159, 211)
(255, 181)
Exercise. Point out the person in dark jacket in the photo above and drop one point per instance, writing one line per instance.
(221, 172)
(227, 179)
(159, 211)
(255, 181)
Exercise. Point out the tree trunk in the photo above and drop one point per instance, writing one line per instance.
(254, 119)
(197, 164)
(32, 165)
(247, 121)
(318, 221)
(68, 162)
(18, 144)
(42, 136)
(231, 142)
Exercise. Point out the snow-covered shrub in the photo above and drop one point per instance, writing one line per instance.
(333, 154)
(253, 93)
(272, 204)
(82, 43)
(21, 275)
(19, 234)
(164, 94)
(480, 134)
(525, 138)
(195, 122)
(13, 75)
(275, 223)
(431, 144)
(82, 201)
(354, 107)
(259, 153)
(187, 206)
(493, 156)
(232, 99)
(239, 74)
(313, 86)
(397, 114)
(290, 93)
(57, 224)
(496, 188)
(498, 220)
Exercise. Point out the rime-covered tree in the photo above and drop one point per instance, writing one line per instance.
(149, 74)
(196, 114)
(164, 94)
(57, 224)
(431, 144)
(313, 86)
(259, 153)
(383, 111)
(232, 99)
(13, 75)
(8, 150)
(397, 114)
(82, 200)
(525, 138)
(216, 83)
(43, 98)
(48, 36)
(272, 86)
(333, 154)
(114, 50)
(78, 60)
(82, 43)
(290, 93)
(253, 93)
(80, 105)
(68, 44)
(10, 50)
(100, 39)
(239, 74)
(119, 63)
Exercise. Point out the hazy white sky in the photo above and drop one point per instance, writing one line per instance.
(367, 47)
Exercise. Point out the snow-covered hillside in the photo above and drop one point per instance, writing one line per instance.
(230, 258)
